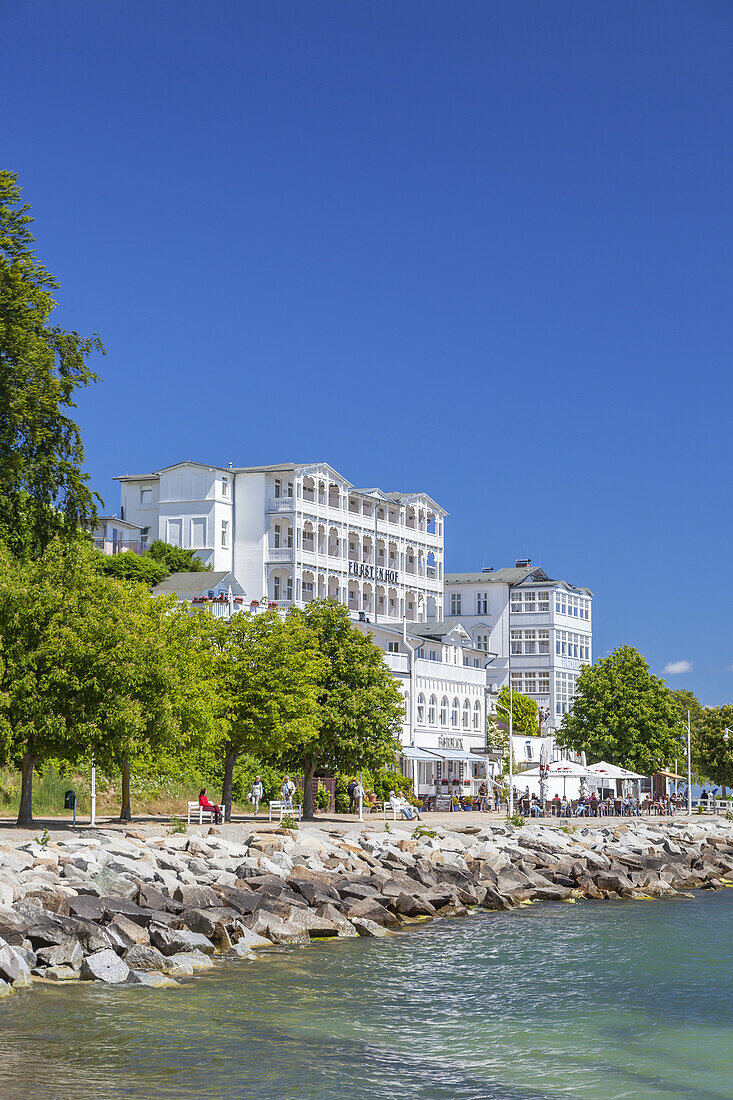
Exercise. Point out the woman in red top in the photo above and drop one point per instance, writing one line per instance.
(204, 802)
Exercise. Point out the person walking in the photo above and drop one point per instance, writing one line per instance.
(256, 793)
(358, 796)
(287, 791)
(350, 789)
(483, 792)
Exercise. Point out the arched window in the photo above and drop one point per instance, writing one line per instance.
(407, 706)
(421, 708)
(444, 711)
(477, 715)
(455, 713)
(432, 709)
(466, 715)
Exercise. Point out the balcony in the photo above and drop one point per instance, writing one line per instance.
(397, 662)
(279, 553)
(462, 674)
(118, 546)
(281, 504)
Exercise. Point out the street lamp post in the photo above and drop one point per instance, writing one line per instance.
(689, 768)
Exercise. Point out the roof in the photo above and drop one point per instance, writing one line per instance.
(511, 575)
(191, 584)
(438, 629)
(119, 522)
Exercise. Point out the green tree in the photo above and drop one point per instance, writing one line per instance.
(266, 685)
(623, 714)
(524, 711)
(154, 565)
(43, 491)
(89, 664)
(360, 710)
(712, 755)
(175, 559)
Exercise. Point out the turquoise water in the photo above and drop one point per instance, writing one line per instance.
(600, 1000)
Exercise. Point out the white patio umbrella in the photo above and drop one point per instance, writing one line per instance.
(564, 768)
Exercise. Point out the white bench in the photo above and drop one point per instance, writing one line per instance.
(198, 811)
(288, 808)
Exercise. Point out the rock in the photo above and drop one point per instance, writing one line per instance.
(274, 927)
(409, 906)
(252, 940)
(366, 927)
(53, 901)
(170, 941)
(150, 897)
(144, 957)
(196, 897)
(191, 959)
(110, 884)
(157, 981)
(5, 988)
(12, 927)
(124, 906)
(105, 966)
(13, 967)
(62, 974)
(68, 953)
(86, 908)
(130, 929)
(373, 911)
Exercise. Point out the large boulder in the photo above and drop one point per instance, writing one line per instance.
(172, 941)
(196, 897)
(13, 967)
(12, 927)
(86, 907)
(150, 897)
(68, 953)
(366, 927)
(144, 957)
(374, 911)
(105, 966)
(157, 981)
(129, 929)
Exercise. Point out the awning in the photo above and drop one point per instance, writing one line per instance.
(412, 752)
(453, 754)
(670, 775)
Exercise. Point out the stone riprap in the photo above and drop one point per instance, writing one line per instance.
(116, 908)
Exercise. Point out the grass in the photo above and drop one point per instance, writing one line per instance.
(154, 795)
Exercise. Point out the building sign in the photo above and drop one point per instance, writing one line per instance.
(373, 572)
(450, 742)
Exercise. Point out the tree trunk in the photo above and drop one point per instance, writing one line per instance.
(25, 813)
(309, 767)
(126, 811)
(226, 790)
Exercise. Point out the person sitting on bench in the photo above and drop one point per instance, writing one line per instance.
(206, 805)
(403, 806)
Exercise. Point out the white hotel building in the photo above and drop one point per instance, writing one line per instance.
(539, 627)
(292, 533)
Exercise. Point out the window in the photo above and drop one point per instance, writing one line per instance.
(570, 644)
(225, 486)
(175, 532)
(393, 647)
(290, 488)
(482, 642)
(477, 715)
(564, 691)
(455, 603)
(482, 603)
(198, 534)
(543, 601)
(466, 714)
(432, 710)
(225, 534)
(289, 588)
(543, 641)
(278, 488)
(528, 750)
(407, 706)
(444, 711)
(276, 588)
(455, 712)
(421, 708)
(146, 496)
(276, 536)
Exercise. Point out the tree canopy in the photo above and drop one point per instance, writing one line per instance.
(43, 490)
(360, 710)
(624, 714)
(524, 711)
(154, 565)
(89, 664)
(712, 755)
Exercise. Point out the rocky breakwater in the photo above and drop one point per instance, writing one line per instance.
(124, 908)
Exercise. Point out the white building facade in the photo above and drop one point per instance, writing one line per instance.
(540, 629)
(293, 533)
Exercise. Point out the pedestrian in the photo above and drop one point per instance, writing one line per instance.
(350, 789)
(483, 792)
(287, 791)
(256, 793)
(358, 796)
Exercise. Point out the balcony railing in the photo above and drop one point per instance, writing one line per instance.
(280, 553)
(117, 546)
(280, 504)
(398, 662)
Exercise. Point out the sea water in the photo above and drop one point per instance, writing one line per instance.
(593, 999)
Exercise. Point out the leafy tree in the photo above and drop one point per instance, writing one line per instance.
(89, 664)
(129, 566)
(265, 677)
(43, 491)
(524, 711)
(623, 714)
(360, 710)
(712, 755)
(175, 559)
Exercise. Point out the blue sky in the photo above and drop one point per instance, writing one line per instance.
(479, 249)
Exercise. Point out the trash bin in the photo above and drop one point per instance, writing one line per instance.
(69, 800)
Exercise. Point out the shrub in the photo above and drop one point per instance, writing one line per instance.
(517, 820)
(323, 798)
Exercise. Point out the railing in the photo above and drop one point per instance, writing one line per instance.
(460, 673)
(116, 546)
(398, 662)
(281, 504)
(280, 553)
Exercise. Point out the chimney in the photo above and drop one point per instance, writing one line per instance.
(488, 569)
(522, 562)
